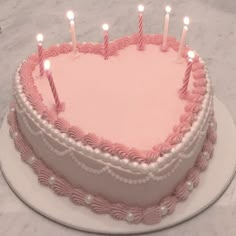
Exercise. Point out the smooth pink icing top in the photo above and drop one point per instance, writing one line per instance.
(131, 98)
(127, 105)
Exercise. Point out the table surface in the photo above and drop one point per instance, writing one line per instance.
(211, 33)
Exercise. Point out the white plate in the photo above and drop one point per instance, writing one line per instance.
(213, 183)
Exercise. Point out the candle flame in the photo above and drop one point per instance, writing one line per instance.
(46, 65)
(70, 15)
(186, 20)
(105, 27)
(140, 8)
(39, 38)
(191, 55)
(168, 9)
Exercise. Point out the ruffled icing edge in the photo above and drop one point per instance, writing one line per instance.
(191, 110)
(132, 214)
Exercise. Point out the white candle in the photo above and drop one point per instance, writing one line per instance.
(70, 16)
(183, 36)
(166, 26)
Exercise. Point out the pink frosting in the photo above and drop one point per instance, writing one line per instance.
(188, 117)
(65, 48)
(49, 116)
(170, 203)
(106, 146)
(198, 74)
(76, 133)
(151, 155)
(162, 148)
(135, 155)
(193, 107)
(212, 136)
(77, 196)
(132, 214)
(100, 205)
(152, 215)
(202, 163)
(193, 176)
(91, 140)
(61, 187)
(175, 138)
(181, 192)
(197, 66)
(182, 128)
(62, 124)
(44, 176)
(121, 150)
(199, 90)
(200, 83)
(208, 147)
(118, 211)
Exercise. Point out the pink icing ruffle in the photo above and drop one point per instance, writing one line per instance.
(132, 214)
(91, 140)
(62, 124)
(76, 133)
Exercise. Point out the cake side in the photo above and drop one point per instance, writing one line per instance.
(83, 165)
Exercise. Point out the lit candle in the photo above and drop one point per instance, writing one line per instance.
(48, 73)
(70, 16)
(166, 26)
(105, 47)
(183, 36)
(183, 90)
(39, 38)
(140, 27)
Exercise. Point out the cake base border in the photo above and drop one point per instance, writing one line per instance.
(62, 211)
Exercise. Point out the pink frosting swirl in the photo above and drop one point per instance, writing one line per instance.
(121, 150)
(118, 211)
(76, 133)
(188, 117)
(181, 192)
(193, 176)
(200, 83)
(100, 205)
(199, 90)
(137, 214)
(135, 155)
(37, 166)
(174, 45)
(156, 39)
(62, 124)
(33, 59)
(91, 139)
(182, 128)
(46, 53)
(112, 50)
(134, 39)
(201, 163)
(49, 116)
(174, 138)
(19, 142)
(197, 66)
(170, 203)
(152, 215)
(198, 74)
(26, 153)
(98, 49)
(151, 156)
(54, 51)
(120, 44)
(61, 187)
(196, 98)
(65, 48)
(44, 176)
(77, 197)
(211, 135)
(162, 148)
(208, 147)
(106, 146)
(193, 107)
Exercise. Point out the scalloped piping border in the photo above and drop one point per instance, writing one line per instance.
(132, 214)
(116, 46)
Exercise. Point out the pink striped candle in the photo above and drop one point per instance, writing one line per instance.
(106, 42)
(184, 89)
(52, 85)
(140, 28)
(39, 38)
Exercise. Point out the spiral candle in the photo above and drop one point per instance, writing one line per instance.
(105, 28)
(52, 85)
(140, 28)
(184, 88)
